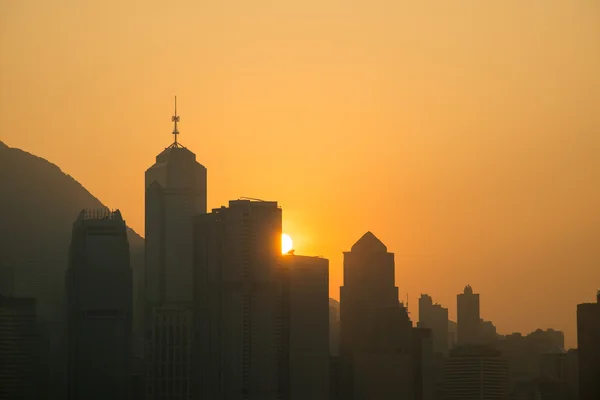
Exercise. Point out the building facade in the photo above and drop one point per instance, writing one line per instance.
(424, 372)
(588, 342)
(475, 373)
(375, 337)
(175, 193)
(99, 308)
(469, 319)
(434, 317)
(307, 292)
(242, 325)
(19, 349)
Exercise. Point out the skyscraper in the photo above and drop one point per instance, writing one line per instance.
(19, 349)
(434, 317)
(99, 302)
(242, 324)
(588, 342)
(375, 328)
(469, 320)
(175, 193)
(307, 292)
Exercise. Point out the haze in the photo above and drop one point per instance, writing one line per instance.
(464, 134)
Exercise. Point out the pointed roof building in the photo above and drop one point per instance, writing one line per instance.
(369, 243)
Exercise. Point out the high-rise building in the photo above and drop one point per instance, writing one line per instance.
(475, 372)
(175, 193)
(334, 327)
(307, 293)
(99, 308)
(588, 343)
(242, 326)
(375, 333)
(19, 349)
(434, 317)
(423, 364)
(469, 320)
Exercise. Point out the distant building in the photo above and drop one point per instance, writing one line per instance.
(242, 325)
(99, 304)
(423, 364)
(488, 333)
(308, 312)
(175, 193)
(376, 331)
(434, 317)
(452, 334)
(334, 327)
(588, 342)
(475, 372)
(19, 349)
(469, 319)
(573, 371)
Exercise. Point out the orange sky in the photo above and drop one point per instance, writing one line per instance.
(465, 134)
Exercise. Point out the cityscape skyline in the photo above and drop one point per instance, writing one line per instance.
(464, 136)
(225, 304)
(403, 296)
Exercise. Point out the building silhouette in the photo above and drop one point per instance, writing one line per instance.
(475, 372)
(334, 327)
(469, 319)
(19, 349)
(588, 342)
(375, 333)
(307, 292)
(423, 364)
(175, 193)
(242, 326)
(434, 317)
(99, 308)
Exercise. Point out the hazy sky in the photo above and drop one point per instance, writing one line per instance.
(464, 134)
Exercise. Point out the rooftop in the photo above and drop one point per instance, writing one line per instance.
(369, 243)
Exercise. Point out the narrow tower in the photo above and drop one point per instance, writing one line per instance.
(100, 301)
(175, 193)
(375, 332)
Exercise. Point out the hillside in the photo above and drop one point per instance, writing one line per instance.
(38, 205)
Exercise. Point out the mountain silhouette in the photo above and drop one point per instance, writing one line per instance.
(38, 205)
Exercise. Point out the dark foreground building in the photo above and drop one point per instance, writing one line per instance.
(19, 349)
(588, 342)
(475, 372)
(376, 332)
(241, 324)
(99, 301)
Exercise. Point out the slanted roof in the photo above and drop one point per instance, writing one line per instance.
(369, 243)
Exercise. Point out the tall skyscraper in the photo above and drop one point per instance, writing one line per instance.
(242, 323)
(99, 308)
(469, 319)
(19, 349)
(175, 193)
(307, 299)
(588, 342)
(434, 317)
(376, 334)
(475, 372)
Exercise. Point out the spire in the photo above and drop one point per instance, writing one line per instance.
(175, 119)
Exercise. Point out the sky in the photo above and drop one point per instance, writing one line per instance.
(464, 134)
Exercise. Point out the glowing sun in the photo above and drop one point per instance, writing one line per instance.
(286, 243)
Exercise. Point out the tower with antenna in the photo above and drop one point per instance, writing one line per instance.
(175, 193)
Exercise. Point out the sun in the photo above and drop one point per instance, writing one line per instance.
(286, 243)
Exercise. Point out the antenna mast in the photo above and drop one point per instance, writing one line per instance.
(175, 120)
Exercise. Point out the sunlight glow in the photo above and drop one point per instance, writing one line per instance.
(286, 243)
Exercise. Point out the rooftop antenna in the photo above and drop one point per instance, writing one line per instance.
(175, 119)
